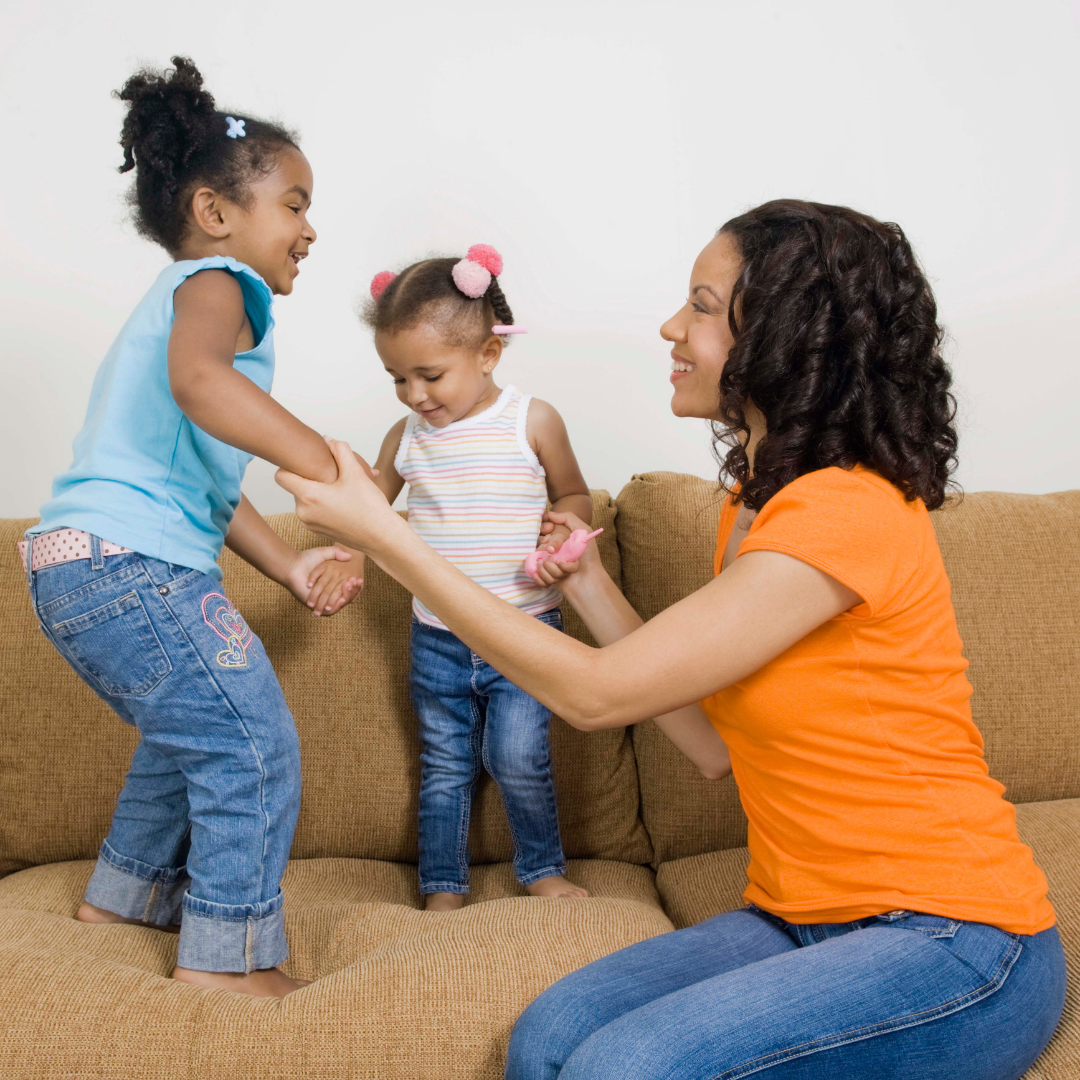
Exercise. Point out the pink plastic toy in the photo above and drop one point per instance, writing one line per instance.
(570, 550)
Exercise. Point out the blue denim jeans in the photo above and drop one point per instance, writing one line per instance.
(900, 996)
(469, 714)
(204, 822)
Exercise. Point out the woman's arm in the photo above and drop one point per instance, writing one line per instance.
(223, 402)
(755, 610)
(609, 617)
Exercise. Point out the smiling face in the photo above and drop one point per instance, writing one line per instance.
(699, 330)
(271, 233)
(442, 383)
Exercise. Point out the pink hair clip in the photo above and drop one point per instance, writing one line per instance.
(473, 274)
(379, 283)
(513, 329)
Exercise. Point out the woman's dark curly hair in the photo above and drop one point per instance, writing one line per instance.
(837, 345)
(426, 291)
(176, 141)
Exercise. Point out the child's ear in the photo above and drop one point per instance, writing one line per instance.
(491, 354)
(210, 213)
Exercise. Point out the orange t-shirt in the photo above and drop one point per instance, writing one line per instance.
(858, 764)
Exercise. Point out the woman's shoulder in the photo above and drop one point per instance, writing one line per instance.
(851, 523)
(848, 492)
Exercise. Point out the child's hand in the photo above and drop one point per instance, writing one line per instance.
(553, 572)
(553, 534)
(326, 578)
(334, 584)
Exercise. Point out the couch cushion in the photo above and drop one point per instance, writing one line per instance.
(346, 679)
(701, 886)
(1006, 556)
(1012, 562)
(667, 533)
(399, 992)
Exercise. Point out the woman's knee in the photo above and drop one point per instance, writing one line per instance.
(541, 1040)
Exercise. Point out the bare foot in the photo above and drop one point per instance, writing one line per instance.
(271, 982)
(90, 914)
(556, 887)
(443, 901)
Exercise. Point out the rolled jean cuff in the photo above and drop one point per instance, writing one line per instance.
(232, 937)
(539, 875)
(136, 889)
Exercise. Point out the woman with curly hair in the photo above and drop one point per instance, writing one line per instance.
(895, 925)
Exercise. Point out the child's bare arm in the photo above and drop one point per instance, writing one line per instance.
(225, 403)
(567, 490)
(329, 582)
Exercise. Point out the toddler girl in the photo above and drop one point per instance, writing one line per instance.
(122, 566)
(481, 462)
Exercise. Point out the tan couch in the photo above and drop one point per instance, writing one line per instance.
(403, 993)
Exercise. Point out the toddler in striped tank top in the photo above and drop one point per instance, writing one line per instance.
(481, 464)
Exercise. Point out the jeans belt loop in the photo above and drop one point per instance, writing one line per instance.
(97, 560)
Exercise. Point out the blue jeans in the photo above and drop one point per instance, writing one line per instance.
(469, 714)
(204, 822)
(900, 996)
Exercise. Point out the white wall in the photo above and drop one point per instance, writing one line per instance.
(598, 146)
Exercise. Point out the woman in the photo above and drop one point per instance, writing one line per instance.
(896, 924)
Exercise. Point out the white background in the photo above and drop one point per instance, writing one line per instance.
(598, 146)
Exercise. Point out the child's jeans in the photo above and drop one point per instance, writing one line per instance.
(901, 995)
(469, 714)
(205, 819)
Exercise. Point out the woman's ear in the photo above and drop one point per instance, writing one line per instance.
(209, 213)
(491, 354)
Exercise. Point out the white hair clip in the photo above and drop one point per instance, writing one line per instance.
(236, 128)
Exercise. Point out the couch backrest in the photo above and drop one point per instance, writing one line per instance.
(63, 754)
(1013, 562)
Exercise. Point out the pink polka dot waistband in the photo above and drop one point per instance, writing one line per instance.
(64, 545)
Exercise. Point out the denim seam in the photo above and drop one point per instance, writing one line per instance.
(466, 803)
(147, 685)
(539, 875)
(155, 889)
(89, 588)
(169, 873)
(778, 1057)
(188, 913)
(486, 759)
(247, 734)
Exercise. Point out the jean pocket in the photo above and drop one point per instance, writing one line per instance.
(115, 647)
(935, 926)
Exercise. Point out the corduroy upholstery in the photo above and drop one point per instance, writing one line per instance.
(404, 993)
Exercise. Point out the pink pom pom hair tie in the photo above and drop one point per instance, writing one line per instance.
(379, 283)
(473, 274)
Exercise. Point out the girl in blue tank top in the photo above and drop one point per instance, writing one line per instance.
(123, 567)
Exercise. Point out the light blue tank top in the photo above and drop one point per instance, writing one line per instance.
(144, 476)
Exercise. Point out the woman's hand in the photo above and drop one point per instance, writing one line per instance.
(352, 509)
(560, 574)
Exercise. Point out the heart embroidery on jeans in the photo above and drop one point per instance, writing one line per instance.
(229, 625)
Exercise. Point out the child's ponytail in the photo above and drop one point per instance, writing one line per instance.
(499, 307)
(176, 140)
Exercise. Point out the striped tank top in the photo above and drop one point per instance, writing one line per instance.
(477, 494)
